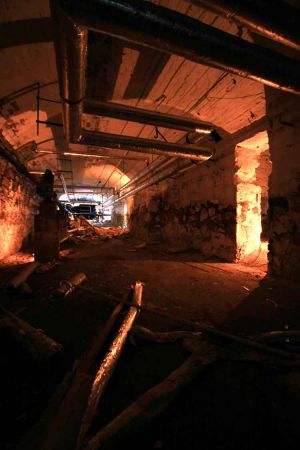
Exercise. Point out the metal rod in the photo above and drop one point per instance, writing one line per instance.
(182, 35)
(48, 122)
(38, 110)
(110, 360)
(48, 100)
(277, 20)
(123, 112)
(145, 145)
(62, 178)
(42, 171)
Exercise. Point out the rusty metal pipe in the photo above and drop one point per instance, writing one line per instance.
(123, 112)
(144, 145)
(179, 34)
(110, 360)
(277, 20)
(71, 52)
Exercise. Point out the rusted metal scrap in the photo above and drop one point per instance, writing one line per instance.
(36, 344)
(110, 360)
(157, 399)
(66, 287)
(63, 432)
(22, 276)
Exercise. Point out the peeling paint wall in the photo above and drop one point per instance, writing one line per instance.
(284, 201)
(17, 205)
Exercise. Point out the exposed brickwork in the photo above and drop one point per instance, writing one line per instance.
(17, 203)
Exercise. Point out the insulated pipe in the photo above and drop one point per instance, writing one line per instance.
(123, 112)
(179, 166)
(92, 155)
(275, 20)
(147, 171)
(166, 30)
(71, 52)
(151, 173)
(144, 145)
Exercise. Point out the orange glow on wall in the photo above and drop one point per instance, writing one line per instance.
(248, 219)
(251, 178)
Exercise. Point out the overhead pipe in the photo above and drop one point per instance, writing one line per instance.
(71, 52)
(169, 163)
(149, 169)
(94, 155)
(182, 35)
(177, 167)
(123, 112)
(278, 20)
(165, 164)
(130, 143)
(86, 186)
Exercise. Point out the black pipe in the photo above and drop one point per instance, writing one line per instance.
(123, 112)
(166, 30)
(134, 144)
(276, 20)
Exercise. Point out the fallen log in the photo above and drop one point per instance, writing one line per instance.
(157, 399)
(36, 344)
(109, 362)
(63, 431)
(21, 277)
(66, 287)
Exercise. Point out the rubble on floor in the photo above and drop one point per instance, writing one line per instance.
(143, 389)
(84, 229)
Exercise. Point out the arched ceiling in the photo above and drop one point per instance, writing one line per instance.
(119, 72)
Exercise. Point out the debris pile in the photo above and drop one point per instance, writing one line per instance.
(85, 230)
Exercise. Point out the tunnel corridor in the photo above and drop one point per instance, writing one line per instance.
(149, 224)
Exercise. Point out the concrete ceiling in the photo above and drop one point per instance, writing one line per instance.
(118, 72)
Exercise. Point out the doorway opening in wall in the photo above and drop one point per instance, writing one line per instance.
(252, 170)
(88, 205)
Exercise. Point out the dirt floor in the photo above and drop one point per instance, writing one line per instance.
(242, 401)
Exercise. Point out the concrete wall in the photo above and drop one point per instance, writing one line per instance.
(194, 211)
(17, 202)
(284, 190)
(198, 209)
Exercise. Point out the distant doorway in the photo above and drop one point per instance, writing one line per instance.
(253, 168)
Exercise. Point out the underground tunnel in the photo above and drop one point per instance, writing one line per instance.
(149, 224)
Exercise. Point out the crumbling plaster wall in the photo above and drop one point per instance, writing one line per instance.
(194, 211)
(17, 203)
(284, 190)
